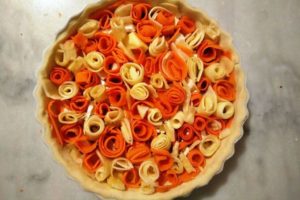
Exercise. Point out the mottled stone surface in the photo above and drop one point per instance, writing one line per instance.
(267, 161)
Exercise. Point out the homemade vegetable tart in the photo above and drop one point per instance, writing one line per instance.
(142, 100)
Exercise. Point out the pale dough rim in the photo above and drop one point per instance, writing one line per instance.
(214, 164)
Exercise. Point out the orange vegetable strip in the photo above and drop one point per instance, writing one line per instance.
(186, 25)
(86, 79)
(211, 127)
(142, 131)
(166, 109)
(183, 144)
(103, 16)
(140, 11)
(203, 84)
(196, 98)
(199, 123)
(110, 65)
(131, 178)
(186, 50)
(196, 158)
(54, 108)
(209, 52)
(138, 153)
(163, 159)
(170, 177)
(92, 45)
(225, 90)
(80, 40)
(185, 177)
(117, 96)
(147, 30)
(165, 18)
(139, 55)
(79, 103)
(150, 66)
(119, 56)
(174, 68)
(91, 162)
(174, 36)
(101, 109)
(106, 43)
(58, 75)
(111, 143)
(71, 132)
(186, 132)
(113, 80)
(84, 145)
(176, 94)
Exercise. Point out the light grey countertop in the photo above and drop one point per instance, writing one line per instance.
(267, 160)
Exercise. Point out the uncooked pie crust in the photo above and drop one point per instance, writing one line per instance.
(214, 164)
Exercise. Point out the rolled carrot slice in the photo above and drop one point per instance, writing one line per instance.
(166, 109)
(142, 131)
(117, 96)
(58, 75)
(131, 178)
(111, 143)
(225, 90)
(196, 98)
(113, 80)
(110, 65)
(91, 162)
(199, 123)
(71, 132)
(147, 30)
(167, 181)
(185, 177)
(138, 153)
(186, 132)
(86, 79)
(209, 52)
(101, 109)
(106, 43)
(214, 126)
(163, 159)
(203, 84)
(140, 11)
(172, 67)
(186, 25)
(103, 16)
(196, 158)
(176, 95)
(80, 41)
(183, 144)
(139, 55)
(79, 103)
(84, 145)
(165, 18)
(119, 56)
(150, 66)
(54, 108)
(91, 45)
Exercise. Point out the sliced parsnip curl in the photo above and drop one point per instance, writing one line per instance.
(154, 116)
(132, 73)
(225, 110)
(69, 117)
(208, 103)
(126, 131)
(195, 68)
(94, 61)
(149, 171)
(147, 188)
(177, 120)
(178, 166)
(170, 131)
(65, 53)
(96, 93)
(175, 149)
(68, 89)
(104, 171)
(140, 91)
(158, 81)
(188, 110)
(209, 145)
(186, 163)
(215, 72)
(142, 110)
(89, 28)
(93, 127)
(77, 64)
(114, 116)
(116, 183)
(228, 64)
(194, 39)
(212, 31)
(158, 46)
(161, 142)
